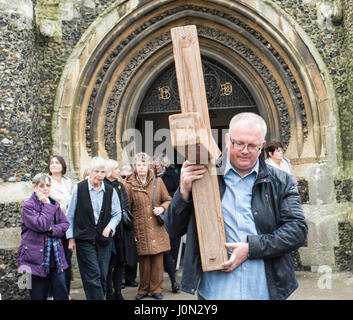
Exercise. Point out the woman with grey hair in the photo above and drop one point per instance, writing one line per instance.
(148, 198)
(41, 252)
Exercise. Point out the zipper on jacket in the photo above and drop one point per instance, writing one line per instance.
(268, 202)
(197, 286)
(270, 208)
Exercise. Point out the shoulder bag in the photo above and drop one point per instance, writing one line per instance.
(160, 217)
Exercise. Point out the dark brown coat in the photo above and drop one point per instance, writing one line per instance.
(152, 238)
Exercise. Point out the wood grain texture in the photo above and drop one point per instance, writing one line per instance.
(193, 133)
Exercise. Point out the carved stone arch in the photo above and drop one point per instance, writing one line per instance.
(114, 63)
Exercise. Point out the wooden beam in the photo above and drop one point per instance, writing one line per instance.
(191, 135)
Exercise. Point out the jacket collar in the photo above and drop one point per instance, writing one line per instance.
(36, 201)
(222, 161)
(134, 182)
(90, 187)
(107, 181)
(114, 184)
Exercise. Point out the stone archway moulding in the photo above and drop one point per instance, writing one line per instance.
(121, 53)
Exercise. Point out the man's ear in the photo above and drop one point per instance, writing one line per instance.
(226, 136)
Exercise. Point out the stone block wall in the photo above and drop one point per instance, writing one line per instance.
(30, 69)
(10, 214)
(333, 41)
(71, 18)
(328, 24)
(344, 190)
(9, 276)
(31, 64)
(344, 251)
(20, 141)
(19, 109)
(303, 188)
(332, 36)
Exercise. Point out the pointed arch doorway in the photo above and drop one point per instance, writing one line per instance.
(111, 72)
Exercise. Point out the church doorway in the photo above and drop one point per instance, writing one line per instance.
(123, 76)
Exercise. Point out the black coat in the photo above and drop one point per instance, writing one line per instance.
(279, 221)
(171, 180)
(124, 238)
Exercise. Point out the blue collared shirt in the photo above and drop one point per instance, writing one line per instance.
(97, 201)
(248, 281)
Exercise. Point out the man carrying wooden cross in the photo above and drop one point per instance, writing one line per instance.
(262, 215)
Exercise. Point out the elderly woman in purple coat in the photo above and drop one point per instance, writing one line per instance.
(41, 250)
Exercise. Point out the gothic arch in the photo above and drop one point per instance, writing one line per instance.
(119, 57)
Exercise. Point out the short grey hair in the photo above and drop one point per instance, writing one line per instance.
(166, 160)
(126, 168)
(40, 178)
(158, 159)
(251, 118)
(98, 163)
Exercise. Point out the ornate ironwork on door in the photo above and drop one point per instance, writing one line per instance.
(224, 90)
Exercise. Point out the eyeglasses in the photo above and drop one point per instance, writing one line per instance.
(241, 146)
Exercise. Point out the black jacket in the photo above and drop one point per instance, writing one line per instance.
(124, 238)
(279, 221)
(171, 180)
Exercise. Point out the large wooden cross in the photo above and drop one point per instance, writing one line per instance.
(191, 136)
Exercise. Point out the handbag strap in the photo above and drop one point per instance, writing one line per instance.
(154, 191)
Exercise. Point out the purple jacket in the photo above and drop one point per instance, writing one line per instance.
(36, 221)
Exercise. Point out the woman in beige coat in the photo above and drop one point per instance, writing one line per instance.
(152, 238)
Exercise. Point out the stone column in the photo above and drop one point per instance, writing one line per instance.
(20, 143)
(19, 111)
